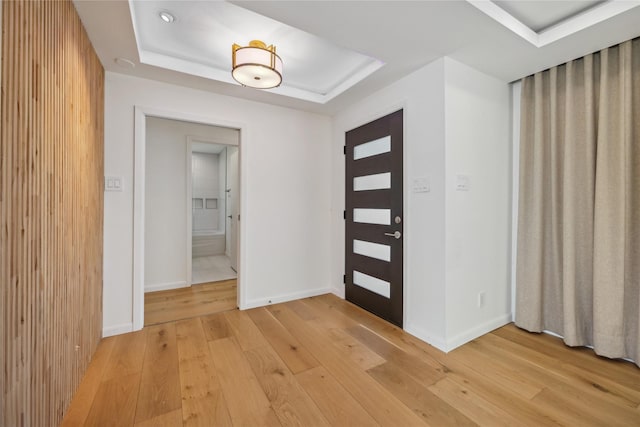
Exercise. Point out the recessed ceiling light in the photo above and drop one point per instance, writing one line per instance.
(125, 63)
(167, 17)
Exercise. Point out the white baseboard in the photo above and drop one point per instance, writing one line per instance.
(117, 329)
(478, 331)
(165, 286)
(447, 345)
(429, 338)
(261, 302)
(339, 292)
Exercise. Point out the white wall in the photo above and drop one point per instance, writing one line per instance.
(284, 175)
(455, 245)
(421, 94)
(477, 117)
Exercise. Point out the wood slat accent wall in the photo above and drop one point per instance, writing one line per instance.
(51, 209)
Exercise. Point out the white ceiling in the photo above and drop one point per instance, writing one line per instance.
(403, 35)
(199, 40)
(538, 18)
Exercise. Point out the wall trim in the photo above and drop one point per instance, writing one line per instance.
(139, 143)
(261, 302)
(339, 292)
(429, 338)
(117, 330)
(447, 345)
(477, 331)
(166, 286)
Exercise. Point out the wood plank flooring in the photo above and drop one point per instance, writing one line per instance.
(322, 361)
(185, 303)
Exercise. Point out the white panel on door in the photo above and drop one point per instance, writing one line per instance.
(372, 250)
(372, 148)
(380, 287)
(379, 181)
(372, 216)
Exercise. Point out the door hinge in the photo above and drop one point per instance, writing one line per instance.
(344, 279)
(344, 150)
(344, 214)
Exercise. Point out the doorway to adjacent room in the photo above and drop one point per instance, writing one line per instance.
(191, 204)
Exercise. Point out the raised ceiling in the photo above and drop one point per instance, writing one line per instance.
(199, 40)
(521, 39)
(541, 17)
(543, 23)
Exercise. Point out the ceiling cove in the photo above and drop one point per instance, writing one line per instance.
(196, 38)
(572, 23)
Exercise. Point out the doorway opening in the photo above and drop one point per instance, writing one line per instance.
(213, 199)
(191, 211)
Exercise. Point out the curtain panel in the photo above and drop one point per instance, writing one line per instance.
(578, 263)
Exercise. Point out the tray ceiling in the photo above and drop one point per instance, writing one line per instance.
(402, 36)
(199, 40)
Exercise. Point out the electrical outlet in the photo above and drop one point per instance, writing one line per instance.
(481, 299)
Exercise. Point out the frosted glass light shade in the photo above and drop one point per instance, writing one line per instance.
(256, 65)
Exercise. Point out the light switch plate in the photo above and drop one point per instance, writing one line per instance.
(463, 182)
(112, 183)
(420, 185)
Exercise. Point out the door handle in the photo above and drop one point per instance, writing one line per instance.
(396, 234)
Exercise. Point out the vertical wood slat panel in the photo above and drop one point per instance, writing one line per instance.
(51, 209)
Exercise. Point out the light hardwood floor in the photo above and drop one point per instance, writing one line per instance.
(185, 303)
(322, 361)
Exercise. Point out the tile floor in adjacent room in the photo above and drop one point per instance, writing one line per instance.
(211, 269)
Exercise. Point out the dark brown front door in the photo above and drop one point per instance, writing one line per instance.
(373, 229)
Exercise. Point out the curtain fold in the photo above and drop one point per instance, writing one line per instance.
(578, 264)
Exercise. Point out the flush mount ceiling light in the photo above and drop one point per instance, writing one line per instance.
(166, 17)
(256, 65)
(317, 70)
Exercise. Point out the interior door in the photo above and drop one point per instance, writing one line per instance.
(374, 217)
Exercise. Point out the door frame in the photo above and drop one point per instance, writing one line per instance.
(189, 200)
(139, 158)
(406, 236)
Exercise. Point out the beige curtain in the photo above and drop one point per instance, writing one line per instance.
(578, 266)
